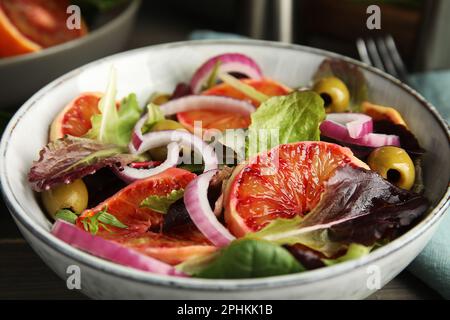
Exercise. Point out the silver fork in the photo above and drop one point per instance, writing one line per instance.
(383, 54)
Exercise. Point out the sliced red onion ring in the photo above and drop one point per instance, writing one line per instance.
(110, 250)
(137, 135)
(227, 63)
(339, 132)
(129, 174)
(194, 102)
(199, 209)
(358, 124)
(376, 140)
(141, 143)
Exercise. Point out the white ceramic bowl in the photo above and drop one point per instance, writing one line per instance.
(159, 68)
(21, 76)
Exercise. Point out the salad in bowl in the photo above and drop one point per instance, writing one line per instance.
(233, 174)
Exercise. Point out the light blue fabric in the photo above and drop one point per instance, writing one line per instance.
(213, 35)
(433, 264)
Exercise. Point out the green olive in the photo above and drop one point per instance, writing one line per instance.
(334, 93)
(72, 196)
(393, 164)
(160, 154)
(159, 98)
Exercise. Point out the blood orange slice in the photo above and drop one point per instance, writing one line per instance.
(174, 247)
(222, 120)
(267, 86)
(75, 118)
(29, 25)
(144, 225)
(281, 183)
(213, 119)
(378, 112)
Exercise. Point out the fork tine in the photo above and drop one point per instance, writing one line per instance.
(386, 57)
(362, 50)
(397, 59)
(374, 55)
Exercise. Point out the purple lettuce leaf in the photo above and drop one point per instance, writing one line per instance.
(70, 158)
(357, 206)
(360, 206)
(408, 141)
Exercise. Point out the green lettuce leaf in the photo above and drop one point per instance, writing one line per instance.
(285, 119)
(162, 203)
(154, 114)
(283, 232)
(114, 125)
(197, 264)
(244, 258)
(354, 251)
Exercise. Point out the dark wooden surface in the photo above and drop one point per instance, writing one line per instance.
(23, 275)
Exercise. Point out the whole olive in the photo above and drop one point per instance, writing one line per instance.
(159, 98)
(393, 164)
(160, 154)
(334, 93)
(72, 196)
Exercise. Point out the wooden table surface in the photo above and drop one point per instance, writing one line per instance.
(23, 275)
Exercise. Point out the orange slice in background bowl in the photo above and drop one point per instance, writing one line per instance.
(29, 25)
(270, 187)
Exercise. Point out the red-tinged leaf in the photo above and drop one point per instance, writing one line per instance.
(360, 206)
(67, 159)
(309, 258)
(357, 206)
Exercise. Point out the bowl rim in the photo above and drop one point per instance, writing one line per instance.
(20, 216)
(128, 11)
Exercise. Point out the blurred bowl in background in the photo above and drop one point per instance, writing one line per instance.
(21, 76)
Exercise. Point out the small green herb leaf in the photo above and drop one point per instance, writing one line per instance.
(101, 218)
(162, 203)
(111, 220)
(66, 215)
